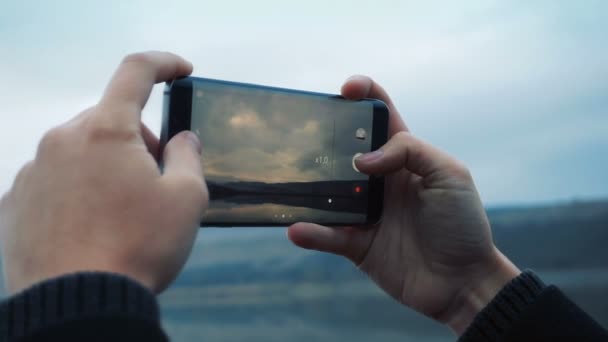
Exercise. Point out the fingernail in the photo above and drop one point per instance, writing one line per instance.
(370, 156)
(363, 86)
(193, 139)
(356, 77)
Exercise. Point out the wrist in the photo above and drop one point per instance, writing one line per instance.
(480, 291)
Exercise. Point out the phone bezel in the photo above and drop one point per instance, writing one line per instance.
(177, 111)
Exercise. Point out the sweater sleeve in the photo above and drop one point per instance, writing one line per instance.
(87, 306)
(528, 310)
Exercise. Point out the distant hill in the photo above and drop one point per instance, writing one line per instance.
(573, 212)
(570, 235)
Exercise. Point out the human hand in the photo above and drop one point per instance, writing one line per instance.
(433, 248)
(94, 199)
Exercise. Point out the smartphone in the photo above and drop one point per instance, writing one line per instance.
(274, 156)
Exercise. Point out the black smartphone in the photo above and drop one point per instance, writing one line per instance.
(274, 156)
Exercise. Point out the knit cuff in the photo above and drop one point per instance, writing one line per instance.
(74, 296)
(496, 318)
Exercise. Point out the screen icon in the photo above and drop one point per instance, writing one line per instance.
(360, 134)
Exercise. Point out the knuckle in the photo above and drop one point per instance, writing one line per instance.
(27, 166)
(137, 58)
(99, 129)
(194, 187)
(401, 136)
(105, 133)
(460, 170)
(87, 112)
(401, 139)
(23, 173)
(52, 138)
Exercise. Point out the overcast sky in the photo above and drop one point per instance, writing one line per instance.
(518, 90)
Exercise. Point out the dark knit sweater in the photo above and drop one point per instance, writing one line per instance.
(528, 310)
(111, 307)
(88, 306)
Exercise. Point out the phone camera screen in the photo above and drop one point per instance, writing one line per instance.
(278, 156)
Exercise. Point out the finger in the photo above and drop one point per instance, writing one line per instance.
(350, 242)
(132, 82)
(182, 156)
(404, 150)
(23, 175)
(358, 87)
(183, 172)
(151, 141)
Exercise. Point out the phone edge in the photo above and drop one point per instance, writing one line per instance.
(180, 101)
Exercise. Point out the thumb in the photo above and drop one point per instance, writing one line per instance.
(182, 156)
(404, 150)
(183, 170)
(353, 243)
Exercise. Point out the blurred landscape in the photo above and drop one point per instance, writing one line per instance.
(252, 285)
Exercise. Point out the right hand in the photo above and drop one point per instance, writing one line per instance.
(433, 249)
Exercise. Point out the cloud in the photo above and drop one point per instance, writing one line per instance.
(249, 120)
(278, 137)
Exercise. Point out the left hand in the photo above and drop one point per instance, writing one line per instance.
(94, 198)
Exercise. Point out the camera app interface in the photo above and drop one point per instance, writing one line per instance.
(281, 156)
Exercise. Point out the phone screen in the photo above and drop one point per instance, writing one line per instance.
(274, 156)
